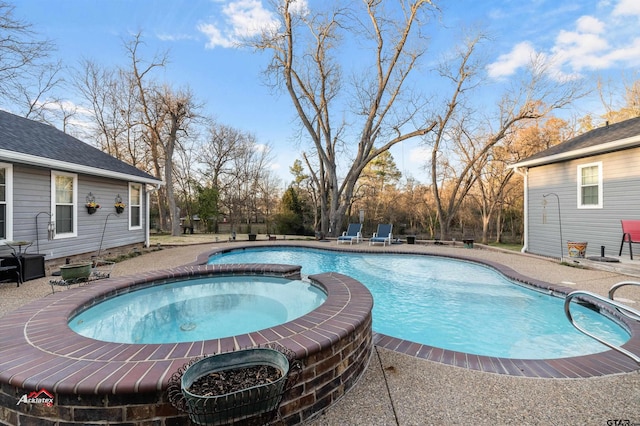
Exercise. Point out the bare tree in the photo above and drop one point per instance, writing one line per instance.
(236, 165)
(377, 104)
(494, 174)
(218, 151)
(178, 107)
(36, 96)
(165, 114)
(140, 120)
(268, 196)
(27, 75)
(185, 176)
(463, 137)
(377, 188)
(112, 99)
(620, 98)
(249, 167)
(218, 155)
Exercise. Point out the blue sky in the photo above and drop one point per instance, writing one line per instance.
(586, 39)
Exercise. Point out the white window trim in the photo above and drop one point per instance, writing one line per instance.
(75, 203)
(597, 164)
(131, 184)
(8, 200)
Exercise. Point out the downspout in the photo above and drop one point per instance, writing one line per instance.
(147, 236)
(525, 176)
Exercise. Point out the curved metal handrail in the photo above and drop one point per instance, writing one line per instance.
(619, 306)
(615, 287)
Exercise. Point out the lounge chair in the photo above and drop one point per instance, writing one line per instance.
(383, 234)
(351, 234)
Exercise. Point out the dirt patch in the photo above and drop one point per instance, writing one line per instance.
(233, 380)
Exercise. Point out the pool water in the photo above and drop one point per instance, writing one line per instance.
(198, 309)
(452, 304)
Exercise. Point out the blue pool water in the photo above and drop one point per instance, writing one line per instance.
(452, 304)
(198, 309)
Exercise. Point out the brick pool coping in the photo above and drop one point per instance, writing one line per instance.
(585, 366)
(39, 352)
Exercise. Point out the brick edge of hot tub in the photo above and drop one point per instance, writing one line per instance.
(93, 381)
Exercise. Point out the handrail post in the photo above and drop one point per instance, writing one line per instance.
(623, 309)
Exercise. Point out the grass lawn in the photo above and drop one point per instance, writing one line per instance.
(188, 238)
(506, 246)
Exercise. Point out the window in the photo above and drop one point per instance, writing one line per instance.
(590, 185)
(6, 201)
(135, 205)
(64, 188)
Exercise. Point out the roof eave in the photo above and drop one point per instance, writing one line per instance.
(578, 153)
(74, 167)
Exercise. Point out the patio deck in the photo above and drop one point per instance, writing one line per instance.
(400, 389)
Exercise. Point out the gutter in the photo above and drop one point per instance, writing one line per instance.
(525, 175)
(147, 236)
(617, 145)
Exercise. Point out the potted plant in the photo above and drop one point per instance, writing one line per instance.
(219, 406)
(577, 249)
(76, 271)
(119, 205)
(92, 207)
(91, 204)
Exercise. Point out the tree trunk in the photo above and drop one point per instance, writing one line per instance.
(174, 213)
(499, 225)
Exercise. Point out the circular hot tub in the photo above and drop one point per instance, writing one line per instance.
(198, 308)
(84, 379)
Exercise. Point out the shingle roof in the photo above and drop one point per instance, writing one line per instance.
(24, 136)
(591, 140)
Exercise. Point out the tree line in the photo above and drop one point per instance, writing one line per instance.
(347, 124)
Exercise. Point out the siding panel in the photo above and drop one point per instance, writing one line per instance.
(600, 226)
(32, 195)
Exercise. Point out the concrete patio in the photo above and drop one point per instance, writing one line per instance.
(404, 390)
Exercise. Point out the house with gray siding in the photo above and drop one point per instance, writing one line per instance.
(48, 177)
(580, 190)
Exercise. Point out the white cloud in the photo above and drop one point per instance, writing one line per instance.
(520, 56)
(629, 54)
(174, 37)
(419, 155)
(627, 7)
(589, 24)
(275, 166)
(594, 43)
(581, 49)
(248, 18)
(261, 147)
(214, 36)
(239, 19)
(299, 7)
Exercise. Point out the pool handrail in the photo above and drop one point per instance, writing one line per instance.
(615, 287)
(623, 309)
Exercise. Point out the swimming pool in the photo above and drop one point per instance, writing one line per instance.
(198, 309)
(450, 304)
